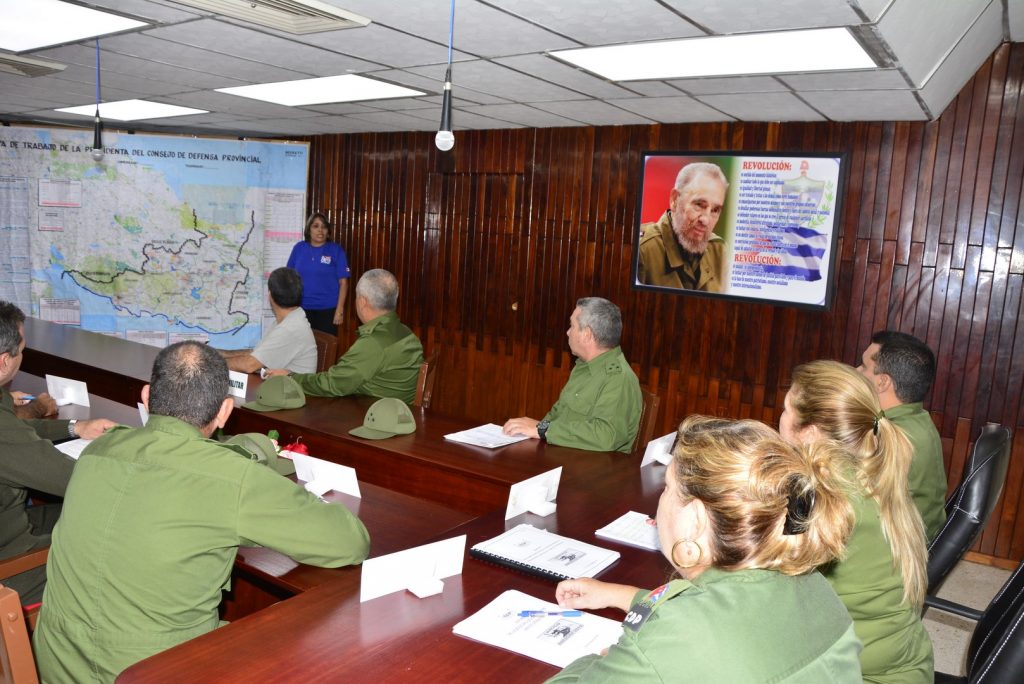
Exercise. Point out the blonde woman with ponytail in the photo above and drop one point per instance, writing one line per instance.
(883, 579)
(745, 518)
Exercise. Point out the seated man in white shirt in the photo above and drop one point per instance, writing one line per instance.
(290, 343)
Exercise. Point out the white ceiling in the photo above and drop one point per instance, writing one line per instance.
(503, 77)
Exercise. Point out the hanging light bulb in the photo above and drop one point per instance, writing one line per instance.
(97, 131)
(445, 139)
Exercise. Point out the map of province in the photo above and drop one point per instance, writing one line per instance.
(203, 278)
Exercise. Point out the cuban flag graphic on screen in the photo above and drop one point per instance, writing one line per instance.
(802, 250)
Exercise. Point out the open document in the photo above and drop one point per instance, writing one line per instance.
(489, 436)
(544, 554)
(523, 624)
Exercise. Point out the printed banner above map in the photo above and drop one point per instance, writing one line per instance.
(166, 238)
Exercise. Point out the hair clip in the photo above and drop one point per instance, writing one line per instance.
(798, 510)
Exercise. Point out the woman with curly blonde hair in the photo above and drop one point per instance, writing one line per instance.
(883, 579)
(745, 519)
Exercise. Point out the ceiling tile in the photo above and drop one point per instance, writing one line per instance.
(560, 73)
(603, 22)
(593, 113)
(258, 46)
(735, 84)
(874, 79)
(740, 16)
(907, 22)
(146, 10)
(763, 107)
(524, 115)
(866, 105)
(671, 109)
(488, 77)
(963, 61)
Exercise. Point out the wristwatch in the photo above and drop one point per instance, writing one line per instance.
(542, 429)
(71, 428)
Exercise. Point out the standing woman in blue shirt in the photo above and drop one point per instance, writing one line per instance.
(324, 269)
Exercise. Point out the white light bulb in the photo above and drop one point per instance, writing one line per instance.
(445, 140)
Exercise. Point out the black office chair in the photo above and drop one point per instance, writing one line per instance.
(971, 504)
(996, 652)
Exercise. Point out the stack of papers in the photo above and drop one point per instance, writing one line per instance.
(556, 639)
(632, 529)
(544, 554)
(489, 436)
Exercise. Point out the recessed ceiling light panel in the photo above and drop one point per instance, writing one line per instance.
(31, 24)
(133, 110)
(308, 91)
(752, 53)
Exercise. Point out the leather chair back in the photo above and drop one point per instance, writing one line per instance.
(645, 428)
(971, 504)
(996, 652)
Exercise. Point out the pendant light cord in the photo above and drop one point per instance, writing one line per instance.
(451, 33)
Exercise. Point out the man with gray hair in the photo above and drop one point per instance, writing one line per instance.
(384, 361)
(681, 250)
(599, 408)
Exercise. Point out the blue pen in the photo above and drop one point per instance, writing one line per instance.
(28, 397)
(543, 613)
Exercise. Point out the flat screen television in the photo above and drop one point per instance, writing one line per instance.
(753, 226)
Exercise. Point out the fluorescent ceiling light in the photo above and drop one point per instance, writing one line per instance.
(31, 24)
(752, 53)
(348, 88)
(133, 110)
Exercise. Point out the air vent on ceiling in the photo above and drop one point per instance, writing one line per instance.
(293, 16)
(26, 66)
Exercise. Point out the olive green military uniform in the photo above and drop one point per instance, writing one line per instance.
(599, 407)
(927, 476)
(735, 627)
(383, 362)
(897, 649)
(28, 460)
(663, 261)
(152, 521)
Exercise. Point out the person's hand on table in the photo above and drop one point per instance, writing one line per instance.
(521, 426)
(91, 429)
(591, 594)
(271, 372)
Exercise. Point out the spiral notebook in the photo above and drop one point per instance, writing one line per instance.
(544, 554)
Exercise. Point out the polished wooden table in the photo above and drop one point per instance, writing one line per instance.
(326, 634)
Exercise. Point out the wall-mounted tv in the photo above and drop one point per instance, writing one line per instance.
(745, 225)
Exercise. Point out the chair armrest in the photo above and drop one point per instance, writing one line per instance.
(954, 608)
(22, 562)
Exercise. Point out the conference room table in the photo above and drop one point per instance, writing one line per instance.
(422, 464)
(326, 634)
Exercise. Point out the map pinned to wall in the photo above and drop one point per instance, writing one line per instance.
(167, 238)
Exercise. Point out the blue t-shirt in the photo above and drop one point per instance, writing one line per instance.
(321, 268)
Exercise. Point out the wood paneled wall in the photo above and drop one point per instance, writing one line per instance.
(495, 241)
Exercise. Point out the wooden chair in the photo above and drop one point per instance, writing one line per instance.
(17, 665)
(326, 350)
(425, 381)
(645, 428)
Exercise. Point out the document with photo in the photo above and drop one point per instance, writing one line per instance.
(543, 631)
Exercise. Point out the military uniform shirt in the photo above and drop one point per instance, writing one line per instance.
(927, 476)
(383, 362)
(152, 521)
(663, 261)
(599, 407)
(737, 627)
(897, 649)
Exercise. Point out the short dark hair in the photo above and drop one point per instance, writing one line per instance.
(285, 285)
(603, 318)
(908, 361)
(11, 318)
(189, 382)
(309, 224)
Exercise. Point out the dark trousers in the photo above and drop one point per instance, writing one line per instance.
(30, 583)
(322, 319)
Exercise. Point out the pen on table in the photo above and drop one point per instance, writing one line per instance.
(543, 613)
